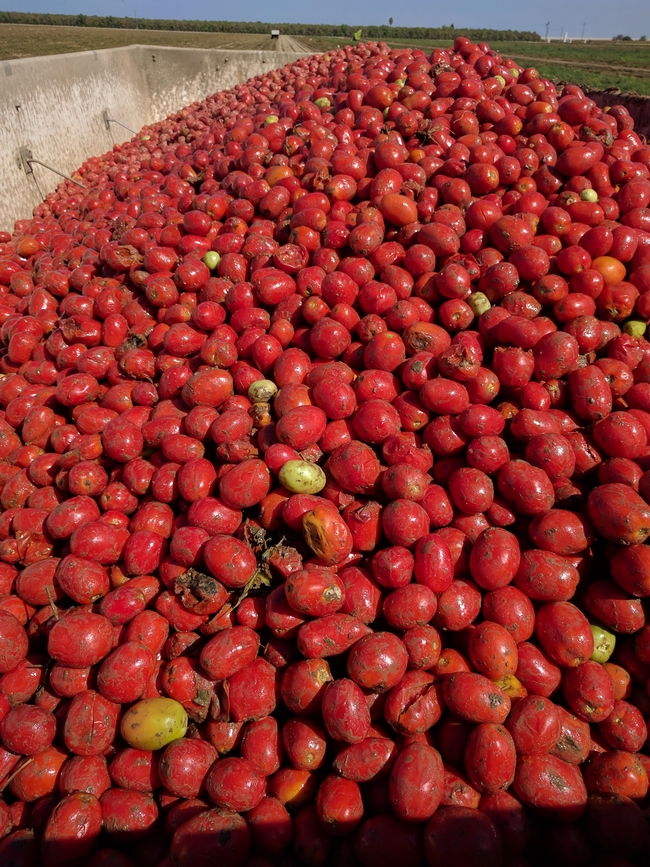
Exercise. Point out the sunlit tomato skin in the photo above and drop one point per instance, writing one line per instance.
(534, 725)
(474, 698)
(90, 724)
(490, 758)
(617, 772)
(492, 650)
(235, 784)
(512, 609)
(27, 730)
(378, 661)
(229, 651)
(550, 785)
(72, 829)
(589, 691)
(526, 487)
(14, 642)
(125, 673)
(546, 577)
(80, 639)
(365, 760)
(339, 805)
(416, 781)
(625, 727)
(624, 524)
(494, 558)
(564, 633)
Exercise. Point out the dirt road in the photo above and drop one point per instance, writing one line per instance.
(288, 43)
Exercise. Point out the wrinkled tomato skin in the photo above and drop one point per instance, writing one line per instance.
(574, 743)
(474, 698)
(539, 674)
(513, 610)
(90, 724)
(378, 662)
(589, 691)
(564, 633)
(617, 773)
(345, 712)
(551, 785)
(492, 650)
(366, 760)
(72, 829)
(534, 725)
(490, 758)
(184, 765)
(494, 558)
(416, 781)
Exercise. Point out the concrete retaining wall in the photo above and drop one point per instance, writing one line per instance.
(54, 105)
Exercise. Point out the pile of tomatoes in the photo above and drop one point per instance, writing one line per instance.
(325, 480)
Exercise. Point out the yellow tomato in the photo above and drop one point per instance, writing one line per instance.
(153, 723)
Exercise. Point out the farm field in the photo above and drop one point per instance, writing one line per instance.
(625, 66)
(31, 40)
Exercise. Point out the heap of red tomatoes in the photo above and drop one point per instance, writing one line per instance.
(325, 480)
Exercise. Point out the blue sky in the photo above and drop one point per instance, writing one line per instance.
(603, 18)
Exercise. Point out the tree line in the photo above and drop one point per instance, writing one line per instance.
(381, 31)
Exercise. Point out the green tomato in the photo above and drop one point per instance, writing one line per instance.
(401, 82)
(211, 259)
(262, 391)
(153, 723)
(501, 79)
(271, 118)
(635, 327)
(302, 477)
(589, 196)
(479, 302)
(322, 102)
(604, 643)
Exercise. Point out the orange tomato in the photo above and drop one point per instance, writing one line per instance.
(612, 270)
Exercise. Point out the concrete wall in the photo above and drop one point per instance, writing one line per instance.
(54, 105)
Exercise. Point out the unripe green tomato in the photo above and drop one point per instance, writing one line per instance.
(635, 327)
(589, 196)
(271, 118)
(153, 723)
(604, 643)
(501, 80)
(302, 477)
(211, 259)
(322, 102)
(401, 82)
(479, 303)
(262, 391)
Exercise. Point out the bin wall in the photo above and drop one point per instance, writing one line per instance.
(53, 105)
